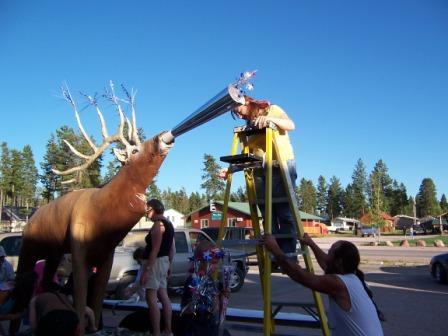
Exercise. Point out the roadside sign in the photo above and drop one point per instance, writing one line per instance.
(216, 215)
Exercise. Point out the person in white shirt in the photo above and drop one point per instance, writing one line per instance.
(351, 310)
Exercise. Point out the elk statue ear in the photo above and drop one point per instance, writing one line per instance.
(121, 155)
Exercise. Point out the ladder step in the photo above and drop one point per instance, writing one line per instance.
(241, 158)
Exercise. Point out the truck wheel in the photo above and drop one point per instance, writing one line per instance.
(124, 283)
(237, 280)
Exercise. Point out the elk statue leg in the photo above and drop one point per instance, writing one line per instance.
(98, 287)
(29, 255)
(80, 275)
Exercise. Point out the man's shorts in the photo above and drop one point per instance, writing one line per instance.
(157, 277)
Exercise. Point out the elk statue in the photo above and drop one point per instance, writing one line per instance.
(89, 223)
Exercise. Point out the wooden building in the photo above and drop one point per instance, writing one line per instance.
(238, 215)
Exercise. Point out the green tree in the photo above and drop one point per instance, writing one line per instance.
(182, 201)
(321, 196)
(5, 174)
(426, 200)
(398, 200)
(153, 191)
(334, 198)
(380, 185)
(349, 208)
(376, 198)
(112, 169)
(51, 182)
(443, 204)
(30, 176)
(307, 196)
(65, 159)
(239, 196)
(17, 182)
(196, 201)
(357, 196)
(211, 182)
(409, 208)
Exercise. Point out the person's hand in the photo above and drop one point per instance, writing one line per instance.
(261, 121)
(270, 243)
(169, 272)
(223, 173)
(306, 239)
(225, 293)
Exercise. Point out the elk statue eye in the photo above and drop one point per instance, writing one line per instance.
(134, 151)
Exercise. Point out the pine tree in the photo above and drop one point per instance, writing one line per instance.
(50, 181)
(322, 190)
(349, 208)
(153, 191)
(241, 194)
(358, 191)
(443, 204)
(380, 185)
(307, 196)
(17, 173)
(334, 198)
(398, 200)
(196, 201)
(426, 200)
(30, 176)
(409, 207)
(211, 182)
(5, 174)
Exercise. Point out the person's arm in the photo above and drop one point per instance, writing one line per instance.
(171, 254)
(10, 316)
(156, 241)
(328, 284)
(32, 314)
(281, 120)
(321, 256)
(10, 275)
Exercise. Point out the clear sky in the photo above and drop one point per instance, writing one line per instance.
(361, 79)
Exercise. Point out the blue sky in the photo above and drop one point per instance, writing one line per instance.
(361, 79)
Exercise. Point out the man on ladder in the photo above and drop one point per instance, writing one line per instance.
(270, 186)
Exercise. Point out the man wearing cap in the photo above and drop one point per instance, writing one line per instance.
(6, 271)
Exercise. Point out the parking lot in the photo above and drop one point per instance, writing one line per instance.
(412, 301)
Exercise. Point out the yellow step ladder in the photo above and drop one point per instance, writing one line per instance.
(247, 162)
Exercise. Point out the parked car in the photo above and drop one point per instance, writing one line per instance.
(12, 242)
(125, 268)
(438, 267)
(235, 238)
(241, 240)
(368, 231)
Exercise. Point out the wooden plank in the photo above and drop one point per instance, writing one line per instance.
(233, 314)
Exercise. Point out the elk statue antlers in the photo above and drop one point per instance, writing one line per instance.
(89, 223)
